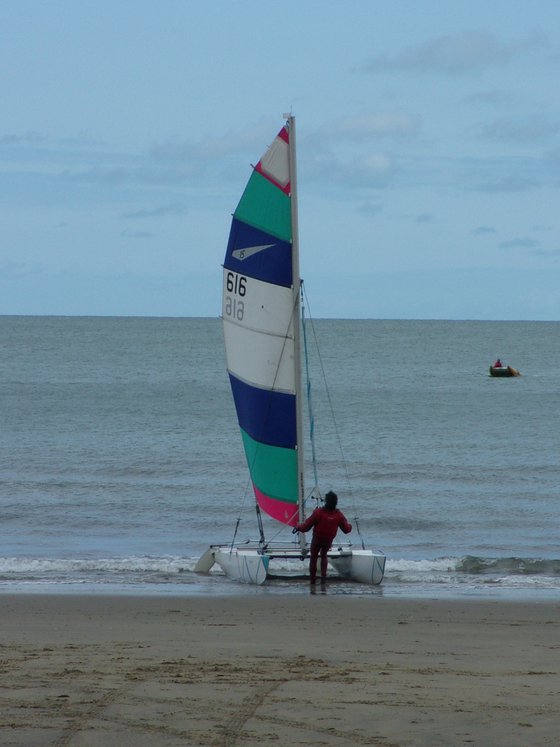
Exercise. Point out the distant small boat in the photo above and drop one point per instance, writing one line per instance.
(504, 371)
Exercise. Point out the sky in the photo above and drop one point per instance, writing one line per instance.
(428, 139)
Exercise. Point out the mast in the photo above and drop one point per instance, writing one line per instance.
(296, 289)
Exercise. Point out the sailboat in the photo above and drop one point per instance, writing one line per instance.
(261, 313)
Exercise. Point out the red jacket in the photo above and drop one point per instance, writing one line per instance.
(325, 523)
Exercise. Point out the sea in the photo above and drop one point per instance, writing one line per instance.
(121, 459)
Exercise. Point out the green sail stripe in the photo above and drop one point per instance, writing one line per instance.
(265, 206)
(273, 469)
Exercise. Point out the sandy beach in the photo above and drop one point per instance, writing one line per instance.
(260, 669)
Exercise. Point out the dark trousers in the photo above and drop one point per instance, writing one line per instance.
(318, 546)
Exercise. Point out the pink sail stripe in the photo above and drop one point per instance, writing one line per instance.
(282, 511)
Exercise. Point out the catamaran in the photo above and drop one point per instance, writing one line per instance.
(262, 323)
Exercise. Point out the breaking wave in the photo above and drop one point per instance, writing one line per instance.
(145, 574)
(510, 566)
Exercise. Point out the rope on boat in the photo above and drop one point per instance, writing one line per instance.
(331, 408)
(235, 533)
(308, 388)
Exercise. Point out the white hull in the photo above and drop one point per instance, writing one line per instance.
(251, 566)
(239, 564)
(246, 566)
(364, 566)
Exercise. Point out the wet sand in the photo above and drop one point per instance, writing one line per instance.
(258, 669)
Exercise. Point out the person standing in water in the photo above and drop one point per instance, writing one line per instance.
(326, 521)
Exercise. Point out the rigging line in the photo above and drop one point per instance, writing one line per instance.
(309, 399)
(241, 509)
(282, 528)
(337, 432)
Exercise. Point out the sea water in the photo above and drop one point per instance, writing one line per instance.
(121, 459)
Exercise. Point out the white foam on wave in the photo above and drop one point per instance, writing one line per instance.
(167, 573)
(27, 565)
(421, 566)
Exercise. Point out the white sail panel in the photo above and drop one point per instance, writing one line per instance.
(275, 162)
(260, 359)
(256, 304)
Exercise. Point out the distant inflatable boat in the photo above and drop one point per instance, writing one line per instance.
(504, 371)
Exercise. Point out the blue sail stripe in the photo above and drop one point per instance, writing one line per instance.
(267, 416)
(272, 264)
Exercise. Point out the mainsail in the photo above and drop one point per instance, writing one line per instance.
(261, 318)
(260, 314)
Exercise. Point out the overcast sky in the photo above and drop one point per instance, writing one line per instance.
(428, 152)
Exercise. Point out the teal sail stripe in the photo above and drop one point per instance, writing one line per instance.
(273, 469)
(264, 206)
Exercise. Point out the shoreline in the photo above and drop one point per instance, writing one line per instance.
(213, 586)
(275, 669)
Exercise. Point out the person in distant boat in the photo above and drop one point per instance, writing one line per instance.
(498, 364)
(326, 521)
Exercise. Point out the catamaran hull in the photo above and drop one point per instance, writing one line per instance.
(246, 566)
(364, 566)
(251, 566)
(243, 565)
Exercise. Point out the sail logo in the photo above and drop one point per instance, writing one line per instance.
(249, 251)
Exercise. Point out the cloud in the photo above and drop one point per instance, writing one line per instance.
(424, 218)
(217, 148)
(367, 169)
(547, 253)
(163, 210)
(343, 153)
(137, 234)
(553, 158)
(171, 163)
(376, 125)
(370, 170)
(483, 230)
(528, 130)
(83, 160)
(520, 243)
(10, 269)
(26, 138)
(510, 180)
(141, 174)
(485, 174)
(490, 98)
(507, 174)
(368, 208)
(38, 142)
(459, 54)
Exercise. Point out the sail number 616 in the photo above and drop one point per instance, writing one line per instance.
(237, 285)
